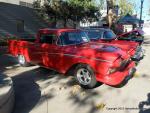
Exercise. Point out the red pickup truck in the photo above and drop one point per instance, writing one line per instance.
(106, 36)
(65, 49)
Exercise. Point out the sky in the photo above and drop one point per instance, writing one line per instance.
(146, 7)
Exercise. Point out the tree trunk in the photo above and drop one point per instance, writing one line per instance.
(65, 22)
(55, 22)
(74, 24)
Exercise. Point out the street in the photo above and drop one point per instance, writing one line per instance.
(39, 90)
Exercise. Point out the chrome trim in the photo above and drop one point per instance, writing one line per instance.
(76, 56)
(83, 57)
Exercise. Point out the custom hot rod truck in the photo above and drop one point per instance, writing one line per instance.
(65, 49)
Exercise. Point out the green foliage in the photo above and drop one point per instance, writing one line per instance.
(38, 8)
(101, 4)
(3, 42)
(126, 7)
(4, 39)
(75, 10)
(36, 4)
(83, 10)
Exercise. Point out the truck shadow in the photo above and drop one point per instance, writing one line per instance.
(145, 103)
(30, 84)
(7, 61)
(28, 92)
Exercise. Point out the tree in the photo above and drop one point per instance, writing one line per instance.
(83, 10)
(38, 8)
(52, 9)
(110, 12)
(124, 7)
(74, 10)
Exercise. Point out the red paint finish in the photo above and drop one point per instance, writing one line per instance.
(102, 58)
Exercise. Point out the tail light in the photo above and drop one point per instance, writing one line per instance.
(119, 64)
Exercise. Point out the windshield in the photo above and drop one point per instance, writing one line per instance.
(72, 38)
(94, 34)
(109, 35)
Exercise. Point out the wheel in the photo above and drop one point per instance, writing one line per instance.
(22, 61)
(85, 76)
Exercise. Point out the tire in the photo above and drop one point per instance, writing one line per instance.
(22, 61)
(82, 72)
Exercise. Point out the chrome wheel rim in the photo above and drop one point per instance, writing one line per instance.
(84, 76)
(21, 59)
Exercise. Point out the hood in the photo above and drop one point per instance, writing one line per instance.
(125, 45)
(98, 51)
(108, 50)
(104, 48)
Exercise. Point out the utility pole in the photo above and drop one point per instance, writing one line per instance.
(142, 1)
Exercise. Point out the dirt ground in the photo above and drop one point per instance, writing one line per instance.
(39, 90)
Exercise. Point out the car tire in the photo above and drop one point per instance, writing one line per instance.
(22, 61)
(85, 76)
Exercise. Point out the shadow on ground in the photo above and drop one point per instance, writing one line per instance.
(7, 61)
(144, 104)
(146, 41)
(28, 92)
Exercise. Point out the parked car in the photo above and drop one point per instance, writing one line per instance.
(134, 35)
(106, 36)
(65, 49)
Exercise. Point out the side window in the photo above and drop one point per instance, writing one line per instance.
(105, 35)
(67, 39)
(61, 40)
(47, 38)
(71, 38)
(108, 35)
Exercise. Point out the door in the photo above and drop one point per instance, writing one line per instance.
(35, 52)
(50, 51)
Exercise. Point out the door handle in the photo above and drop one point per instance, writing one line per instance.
(36, 45)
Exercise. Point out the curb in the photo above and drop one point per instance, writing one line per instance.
(6, 94)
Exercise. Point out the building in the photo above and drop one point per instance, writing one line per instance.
(27, 3)
(18, 18)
